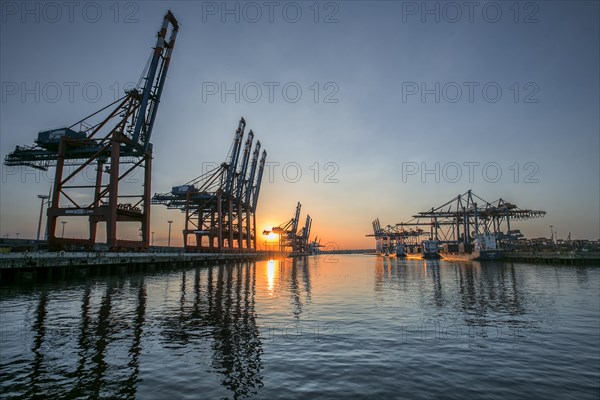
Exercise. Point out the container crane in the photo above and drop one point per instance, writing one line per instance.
(315, 246)
(220, 205)
(458, 223)
(290, 236)
(287, 231)
(116, 141)
(467, 216)
(389, 239)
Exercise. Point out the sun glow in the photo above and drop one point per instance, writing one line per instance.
(269, 235)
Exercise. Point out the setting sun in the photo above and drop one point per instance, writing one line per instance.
(269, 235)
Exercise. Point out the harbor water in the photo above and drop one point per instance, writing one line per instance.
(322, 327)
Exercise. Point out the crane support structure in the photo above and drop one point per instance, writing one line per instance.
(460, 220)
(463, 218)
(115, 141)
(220, 205)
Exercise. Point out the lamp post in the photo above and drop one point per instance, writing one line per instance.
(44, 197)
(152, 244)
(169, 240)
(63, 228)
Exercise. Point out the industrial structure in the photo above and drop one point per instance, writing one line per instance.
(458, 223)
(466, 216)
(115, 141)
(393, 238)
(315, 246)
(292, 238)
(220, 205)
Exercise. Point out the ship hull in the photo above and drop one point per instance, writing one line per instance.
(432, 256)
(484, 255)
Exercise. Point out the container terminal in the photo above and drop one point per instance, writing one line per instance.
(219, 206)
(114, 143)
(470, 228)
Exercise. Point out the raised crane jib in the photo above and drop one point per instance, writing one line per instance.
(261, 168)
(137, 109)
(374, 223)
(250, 181)
(307, 225)
(233, 159)
(296, 218)
(155, 80)
(244, 166)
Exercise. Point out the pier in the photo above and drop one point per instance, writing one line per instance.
(112, 144)
(61, 264)
(567, 258)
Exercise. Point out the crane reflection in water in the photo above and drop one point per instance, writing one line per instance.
(489, 296)
(90, 341)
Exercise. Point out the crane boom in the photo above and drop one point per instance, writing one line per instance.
(296, 218)
(250, 181)
(151, 94)
(130, 118)
(261, 169)
(244, 167)
(235, 152)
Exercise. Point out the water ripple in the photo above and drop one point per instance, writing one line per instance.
(364, 327)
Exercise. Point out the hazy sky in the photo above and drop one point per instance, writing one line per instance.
(359, 96)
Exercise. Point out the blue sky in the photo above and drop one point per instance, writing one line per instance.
(361, 120)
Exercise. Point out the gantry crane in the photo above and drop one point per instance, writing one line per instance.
(287, 231)
(220, 205)
(462, 220)
(290, 236)
(458, 222)
(395, 238)
(467, 216)
(314, 247)
(114, 140)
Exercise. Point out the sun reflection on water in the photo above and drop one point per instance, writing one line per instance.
(270, 275)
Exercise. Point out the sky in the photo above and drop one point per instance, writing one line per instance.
(367, 109)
